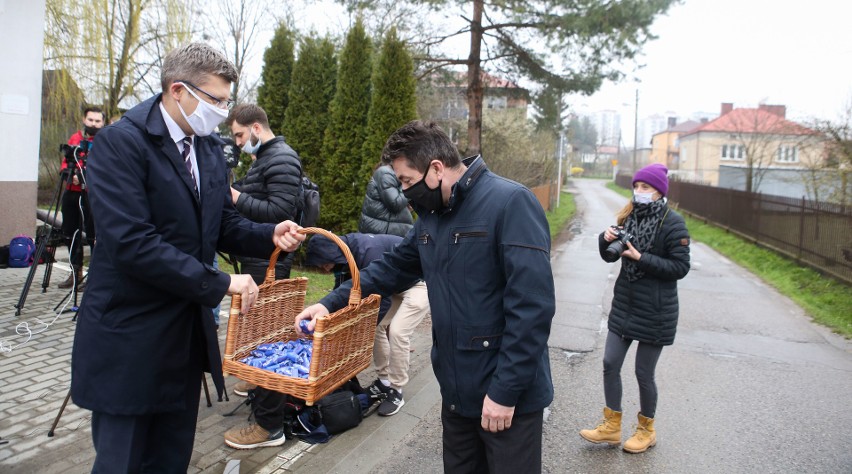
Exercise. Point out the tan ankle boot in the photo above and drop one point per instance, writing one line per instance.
(609, 431)
(644, 438)
(69, 282)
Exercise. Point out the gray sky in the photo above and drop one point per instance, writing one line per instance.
(794, 53)
(798, 54)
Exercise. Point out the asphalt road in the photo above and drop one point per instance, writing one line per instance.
(750, 385)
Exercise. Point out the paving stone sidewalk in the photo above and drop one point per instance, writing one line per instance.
(35, 356)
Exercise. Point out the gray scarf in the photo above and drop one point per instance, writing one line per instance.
(643, 223)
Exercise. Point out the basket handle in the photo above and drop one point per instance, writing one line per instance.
(355, 292)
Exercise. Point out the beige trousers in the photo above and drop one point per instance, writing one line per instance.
(391, 354)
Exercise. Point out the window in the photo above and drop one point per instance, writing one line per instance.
(733, 152)
(787, 154)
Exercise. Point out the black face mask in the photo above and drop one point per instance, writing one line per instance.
(90, 131)
(423, 196)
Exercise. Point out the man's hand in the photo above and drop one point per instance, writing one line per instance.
(310, 313)
(235, 195)
(286, 236)
(75, 180)
(244, 286)
(496, 417)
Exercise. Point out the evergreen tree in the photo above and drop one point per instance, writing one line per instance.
(273, 94)
(341, 180)
(394, 99)
(311, 92)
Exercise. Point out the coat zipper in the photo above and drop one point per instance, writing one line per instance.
(462, 235)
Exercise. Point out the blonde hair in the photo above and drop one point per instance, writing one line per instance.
(624, 213)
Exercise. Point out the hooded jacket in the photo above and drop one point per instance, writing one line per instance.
(646, 310)
(385, 208)
(485, 259)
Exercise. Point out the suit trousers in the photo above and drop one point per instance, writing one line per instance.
(391, 345)
(156, 442)
(468, 449)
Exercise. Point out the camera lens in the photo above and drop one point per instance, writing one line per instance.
(613, 252)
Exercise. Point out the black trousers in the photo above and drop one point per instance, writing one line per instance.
(76, 217)
(155, 443)
(470, 449)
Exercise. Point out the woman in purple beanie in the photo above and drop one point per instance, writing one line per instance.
(652, 243)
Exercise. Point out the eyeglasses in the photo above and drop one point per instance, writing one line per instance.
(220, 103)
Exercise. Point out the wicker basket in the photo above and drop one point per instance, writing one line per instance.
(342, 341)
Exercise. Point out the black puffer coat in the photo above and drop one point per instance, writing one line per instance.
(646, 310)
(271, 185)
(269, 191)
(385, 208)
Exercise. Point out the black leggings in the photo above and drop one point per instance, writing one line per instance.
(647, 356)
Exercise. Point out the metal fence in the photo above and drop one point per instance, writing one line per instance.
(818, 234)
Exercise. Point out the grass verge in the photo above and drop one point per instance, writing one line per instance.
(559, 217)
(828, 301)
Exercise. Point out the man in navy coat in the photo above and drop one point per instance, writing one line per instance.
(161, 203)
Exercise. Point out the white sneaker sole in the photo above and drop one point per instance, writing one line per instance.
(402, 402)
(272, 442)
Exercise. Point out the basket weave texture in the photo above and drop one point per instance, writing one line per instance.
(342, 341)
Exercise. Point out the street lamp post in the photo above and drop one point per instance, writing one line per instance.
(635, 129)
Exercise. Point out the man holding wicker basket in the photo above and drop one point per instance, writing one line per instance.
(482, 245)
(162, 208)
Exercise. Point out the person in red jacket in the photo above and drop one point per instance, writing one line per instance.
(75, 206)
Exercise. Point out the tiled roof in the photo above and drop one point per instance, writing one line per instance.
(752, 121)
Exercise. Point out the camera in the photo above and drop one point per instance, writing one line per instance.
(613, 252)
(232, 153)
(73, 154)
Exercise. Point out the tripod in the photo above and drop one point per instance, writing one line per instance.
(48, 237)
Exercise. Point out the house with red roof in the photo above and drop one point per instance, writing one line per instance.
(665, 145)
(743, 146)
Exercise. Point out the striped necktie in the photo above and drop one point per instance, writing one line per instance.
(187, 146)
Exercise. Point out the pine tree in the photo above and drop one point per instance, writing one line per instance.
(341, 179)
(273, 94)
(394, 99)
(311, 92)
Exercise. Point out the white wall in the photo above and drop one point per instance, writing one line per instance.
(22, 27)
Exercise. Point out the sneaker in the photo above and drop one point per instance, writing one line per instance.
(378, 389)
(392, 404)
(253, 436)
(242, 388)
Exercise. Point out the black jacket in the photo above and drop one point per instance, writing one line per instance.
(271, 186)
(646, 310)
(486, 263)
(270, 189)
(385, 208)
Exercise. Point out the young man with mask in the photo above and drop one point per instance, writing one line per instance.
(76, 218)
(270, 189)
(162, 208)
(482, 245)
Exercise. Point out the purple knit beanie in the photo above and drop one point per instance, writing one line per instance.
(654, 174)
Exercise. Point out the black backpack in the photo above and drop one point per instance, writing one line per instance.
(308, 203)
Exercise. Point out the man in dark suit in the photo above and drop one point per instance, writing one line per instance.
(161, 204)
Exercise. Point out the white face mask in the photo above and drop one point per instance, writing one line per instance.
(206, 117)
(642, 198)
(248, 147)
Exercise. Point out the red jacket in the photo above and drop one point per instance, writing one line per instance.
(75, 140)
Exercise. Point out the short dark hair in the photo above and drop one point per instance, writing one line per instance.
(195, 60)
(421, 142)
(247, 114)
(94, 108)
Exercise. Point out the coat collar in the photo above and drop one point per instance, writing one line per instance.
(475, 168)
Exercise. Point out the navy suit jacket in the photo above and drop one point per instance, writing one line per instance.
(144, 321)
